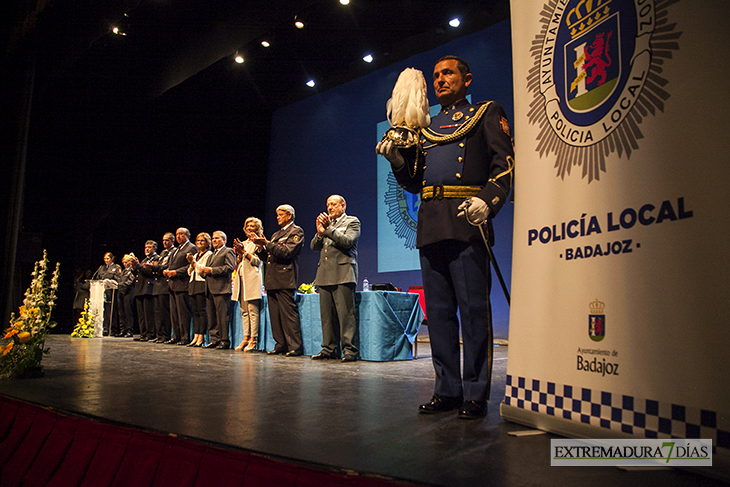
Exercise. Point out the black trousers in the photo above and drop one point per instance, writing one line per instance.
(284, 316)
(218, 305)
(126, 307)
(162, 316)
(146, 315)
(180, 315)
(200, 313)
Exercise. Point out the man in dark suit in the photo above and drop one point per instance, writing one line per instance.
(160, 289)
(462, 168)
(143, 293)
(177, 279)
(109, 273)
(280, 280)
(336, 242)
(218, 296)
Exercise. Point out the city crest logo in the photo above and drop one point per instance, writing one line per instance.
(597, 320)
(597, 76)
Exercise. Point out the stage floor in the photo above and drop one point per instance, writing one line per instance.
(357, 416)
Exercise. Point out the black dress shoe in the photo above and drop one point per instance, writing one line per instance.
(440, 404)
(171, 341)
(274, 352)
(212, 345)
(473, 410)
(323, 356)
(293, 353)
(223, 345)
(349, 358)
(141, 339)
(128, 335)
(183, 343)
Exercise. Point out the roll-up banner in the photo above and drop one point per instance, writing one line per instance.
(620, 319)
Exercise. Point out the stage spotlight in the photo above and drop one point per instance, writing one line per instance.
(266, 43)
(368, 58)
(310, 83)
(238, 58)
(117, 31)
(298, 23)
(345, 2)
(454, 22)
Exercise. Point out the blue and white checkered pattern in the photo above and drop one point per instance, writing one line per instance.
(639, 417)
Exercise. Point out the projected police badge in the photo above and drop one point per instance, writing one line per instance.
(597, 321)
(596, 77)
(402, 211)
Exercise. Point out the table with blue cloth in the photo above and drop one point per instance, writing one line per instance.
(387, 324)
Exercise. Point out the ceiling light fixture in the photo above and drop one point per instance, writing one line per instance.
(310, 83)
(368, 58)
(238, 58)
(266, 43)
(345, 2)
(298, 23)
(454, 22)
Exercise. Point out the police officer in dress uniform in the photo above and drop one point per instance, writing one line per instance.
(161, 289)
(143, 293)
(280, 280)
(462, 169)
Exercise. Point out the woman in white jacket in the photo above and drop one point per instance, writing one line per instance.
(247, 283)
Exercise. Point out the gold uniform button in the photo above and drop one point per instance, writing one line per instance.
(425, 153)
(424, 167)
(461, 159)
(461, 144)
(458, 175)
(466, 118)
(471, 109)
(424, 182)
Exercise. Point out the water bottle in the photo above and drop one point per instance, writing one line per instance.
(365, 284)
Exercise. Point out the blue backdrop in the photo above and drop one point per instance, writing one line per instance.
(326, 144)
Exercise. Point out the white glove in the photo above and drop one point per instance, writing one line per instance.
(387, 149)
(474, 209)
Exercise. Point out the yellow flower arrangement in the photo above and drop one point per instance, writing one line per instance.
(24, 340)
(305, 288)
(85, 327)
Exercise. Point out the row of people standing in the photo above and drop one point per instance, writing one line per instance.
(195, 281)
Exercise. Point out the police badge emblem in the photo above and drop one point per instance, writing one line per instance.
(594, 83)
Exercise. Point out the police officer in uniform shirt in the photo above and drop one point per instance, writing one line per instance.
(462, 169)
(109, 272)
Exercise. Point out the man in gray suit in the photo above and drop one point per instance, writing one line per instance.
(336, 242)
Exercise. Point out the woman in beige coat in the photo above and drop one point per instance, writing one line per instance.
(247, 283)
